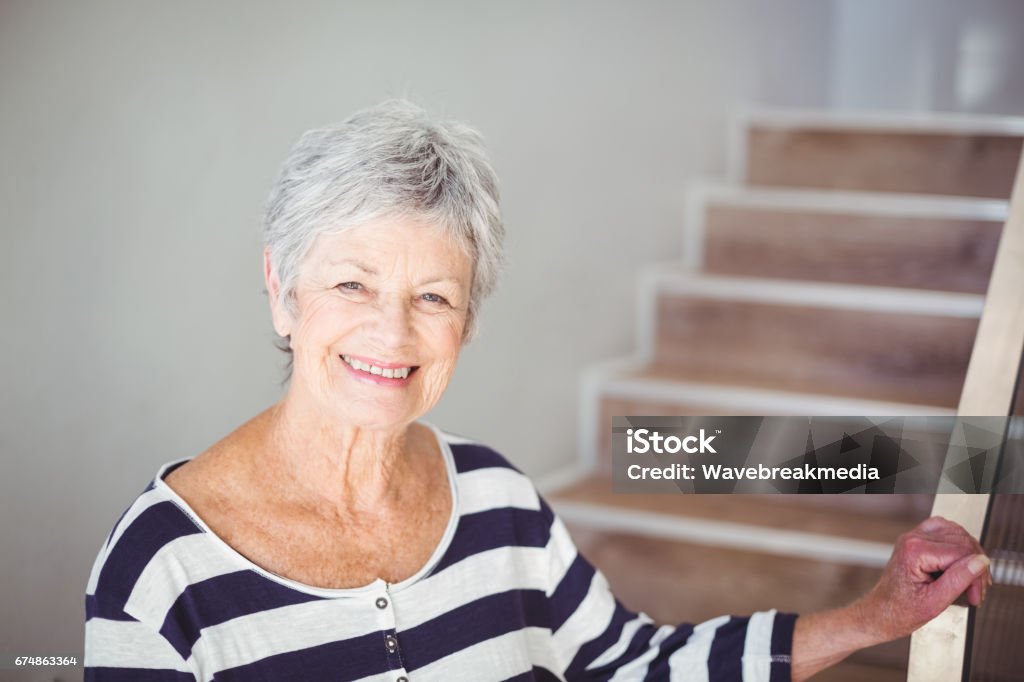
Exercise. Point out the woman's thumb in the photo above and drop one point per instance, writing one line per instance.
(957, 578)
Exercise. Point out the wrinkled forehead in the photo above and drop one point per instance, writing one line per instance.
(391, 246)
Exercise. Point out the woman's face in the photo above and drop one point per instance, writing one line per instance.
(379, 322)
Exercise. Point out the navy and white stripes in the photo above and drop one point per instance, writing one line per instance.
(505, 596)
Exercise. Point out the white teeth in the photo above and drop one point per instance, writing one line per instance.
(397, 373)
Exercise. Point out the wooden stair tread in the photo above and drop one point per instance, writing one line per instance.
(767, 511)
(877, 343)
(878, 239)
(852, 671)
(867, 342)
(924, 253)
(926, 162)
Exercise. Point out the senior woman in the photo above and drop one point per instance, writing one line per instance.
(336, 537)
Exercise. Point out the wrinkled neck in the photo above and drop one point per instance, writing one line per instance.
(356, 470)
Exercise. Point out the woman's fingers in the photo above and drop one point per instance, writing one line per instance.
(935, 554)
(956, 579)
(975, 593)
(924, 556)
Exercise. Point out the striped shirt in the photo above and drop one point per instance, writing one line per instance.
(505, 596)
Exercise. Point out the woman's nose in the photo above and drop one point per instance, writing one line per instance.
(392, 324)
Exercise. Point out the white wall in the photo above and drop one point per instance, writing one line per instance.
(929, 55)
(140, 139)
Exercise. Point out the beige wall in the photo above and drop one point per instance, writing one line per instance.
(138, 142)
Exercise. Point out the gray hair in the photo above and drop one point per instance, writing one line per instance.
(386, 161)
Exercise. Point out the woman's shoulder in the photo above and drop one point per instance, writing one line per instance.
(219, 473)
(151, 537)
(151, 522)
(472, 455)
(200, 481)
(152, 513)
(488, 481)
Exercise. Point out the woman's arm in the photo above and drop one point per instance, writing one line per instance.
(930, 567)
(594, 637)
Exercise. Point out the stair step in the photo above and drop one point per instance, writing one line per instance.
(854, 671)
(779, 521)
(875, 343)
(935, 154)
(939, 243)
(630, 387)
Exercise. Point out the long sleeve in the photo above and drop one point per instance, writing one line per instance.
(119, 648)
(604, 640)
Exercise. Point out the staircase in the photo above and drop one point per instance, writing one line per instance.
(841, 271)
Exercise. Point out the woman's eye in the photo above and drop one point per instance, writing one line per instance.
(351, 286)
(434, 298)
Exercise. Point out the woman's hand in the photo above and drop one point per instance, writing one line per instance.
(930, 567)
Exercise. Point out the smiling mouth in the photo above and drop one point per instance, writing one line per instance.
(386, 372)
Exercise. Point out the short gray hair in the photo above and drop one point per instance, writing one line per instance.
(386, 161)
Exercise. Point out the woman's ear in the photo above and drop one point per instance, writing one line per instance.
(278, 313)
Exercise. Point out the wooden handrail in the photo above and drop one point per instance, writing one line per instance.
(937, 650)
